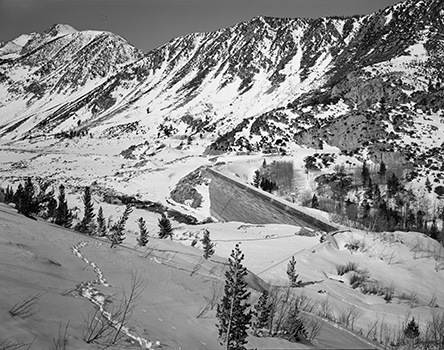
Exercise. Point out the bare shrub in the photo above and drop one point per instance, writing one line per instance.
(372, 329)
(291, 315)
(384, 333)
(11, 344)
(348, 316)
(149, 251)
(196, 267)
(389, 292)
(216, 293)
(313, 326)
(26, 307)
(280, 306)
(325, 310)
(411, 299)
(433, 302)
(292, 327)
(96, 327)
(62, 337)
(305, 304)
(126, 307)
(109, 327)
(434, 335)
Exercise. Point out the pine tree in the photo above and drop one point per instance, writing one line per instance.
(382, 170)
(315, 202)
(264, 164)
(87, 225)
(412, 330)
(26, 201)
(63, 214)
(18, 196)
(208, 246)
(117, 234)
(101, 224)
(428, 185)
(262, 312)
(365, 173)
(165, 229)
(376, 193)
(393, 186)
(291, 273)
(233, 310)
(142, 240)
(257, 178)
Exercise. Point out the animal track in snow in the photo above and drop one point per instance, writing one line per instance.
(86, 289)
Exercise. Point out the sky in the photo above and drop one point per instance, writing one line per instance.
(147, 24)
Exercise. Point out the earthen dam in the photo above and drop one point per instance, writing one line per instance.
(232, 200)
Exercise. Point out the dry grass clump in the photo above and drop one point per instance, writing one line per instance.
(343, 269)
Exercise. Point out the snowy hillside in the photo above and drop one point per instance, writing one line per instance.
(404, 278)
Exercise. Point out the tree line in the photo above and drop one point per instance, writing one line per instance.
(39, 200)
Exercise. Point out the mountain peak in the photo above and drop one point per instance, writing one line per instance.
(60, 29)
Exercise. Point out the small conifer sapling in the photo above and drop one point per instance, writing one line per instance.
(117, 235)
(411, 332)
(63, 214)
(165, 229)
(87, 225)
(208, 246)
(101, 224)
(142, 240)
(291, 273)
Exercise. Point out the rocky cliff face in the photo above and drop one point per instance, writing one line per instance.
(361, 83)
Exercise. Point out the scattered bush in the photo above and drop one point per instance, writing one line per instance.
(343, 269)
(348, 316)
(389, 293)
(434, 334)
(353, 246)
(357, 279)
(117, 233)
(372, 288)
(411, 299)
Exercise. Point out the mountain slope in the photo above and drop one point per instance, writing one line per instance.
(266, 60)
(368, 85)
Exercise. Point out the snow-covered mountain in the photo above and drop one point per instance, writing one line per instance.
(366, 84)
